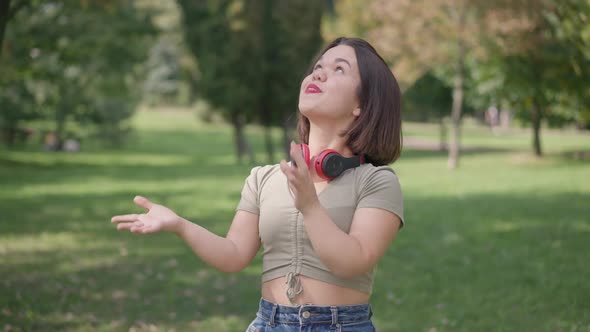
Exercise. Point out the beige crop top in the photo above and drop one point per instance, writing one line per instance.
(287, 250)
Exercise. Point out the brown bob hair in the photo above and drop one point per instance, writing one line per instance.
(377, 132)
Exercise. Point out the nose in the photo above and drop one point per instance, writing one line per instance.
(319, 75)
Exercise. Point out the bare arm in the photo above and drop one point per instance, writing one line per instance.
(228, 254)
(346, 255)
(352, 254)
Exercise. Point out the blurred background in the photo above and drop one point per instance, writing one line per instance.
(177, 100)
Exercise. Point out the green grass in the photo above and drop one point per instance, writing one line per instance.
(502, 244)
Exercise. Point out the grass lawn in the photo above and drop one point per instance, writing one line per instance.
(502, 244)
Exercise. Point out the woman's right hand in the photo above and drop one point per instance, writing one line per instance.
(157, 218)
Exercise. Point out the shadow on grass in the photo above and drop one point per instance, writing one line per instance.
(482, 262)
(519, 258)
(477, 262)
(156, 290)
(576, 155)
(180, 147)
(410, 152)
(65, 267)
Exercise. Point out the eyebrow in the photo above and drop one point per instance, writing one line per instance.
(343, 60)
(337, 60)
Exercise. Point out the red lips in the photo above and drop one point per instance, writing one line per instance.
(312, 88)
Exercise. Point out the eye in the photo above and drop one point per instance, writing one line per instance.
(339, 69)
(318, 66)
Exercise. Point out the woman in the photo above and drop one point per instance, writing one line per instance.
(326, 218)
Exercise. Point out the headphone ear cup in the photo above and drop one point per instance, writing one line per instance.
(319, 163)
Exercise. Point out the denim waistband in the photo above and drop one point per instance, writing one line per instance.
(309, 313)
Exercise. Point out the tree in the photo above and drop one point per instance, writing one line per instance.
(16, 97)
(162, 82)
(8, 9)
(529, 54)
(291, 37)
(429, 98)
(216, 34)
(88, 77)
(400, 30)
(254, 74)
(541, 66)
(17, 106)
(420, 36)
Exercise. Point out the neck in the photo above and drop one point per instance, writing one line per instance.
(321, 139)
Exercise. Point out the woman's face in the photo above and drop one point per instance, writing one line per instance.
(330, 91)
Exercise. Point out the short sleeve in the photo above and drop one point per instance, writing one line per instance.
(381, 189)
(249, 201)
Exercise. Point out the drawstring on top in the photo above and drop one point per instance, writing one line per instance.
(294, 287)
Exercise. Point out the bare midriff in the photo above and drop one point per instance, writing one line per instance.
(314, 292)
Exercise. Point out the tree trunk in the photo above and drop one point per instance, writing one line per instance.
(241, 143)
(504, 119)
(454, 148)
(536, 120)
(193, 88)
(442, 134)
(249, 151)
(7, 12)
(287, 136)
(60, 125)
(270, 151)
(9, 133)
(238, 137)
(4, 11)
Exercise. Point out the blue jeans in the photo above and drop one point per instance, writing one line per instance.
(272, 317)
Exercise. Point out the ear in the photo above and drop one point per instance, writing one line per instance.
(357, 111)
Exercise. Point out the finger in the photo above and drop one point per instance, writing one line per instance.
(290, 173)
(297, 155)
(125, 218)
(143, 202)
(125, 226)
(285, 167)
(292, 178)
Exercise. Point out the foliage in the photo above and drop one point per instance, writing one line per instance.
(216, 34)
(430, 98)
(17, 106)
(530, 56)
(291, 37)
(427, 99)
(546, 76)
(162, 83)
(87, 78)
(254, 74)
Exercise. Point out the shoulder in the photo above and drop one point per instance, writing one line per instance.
(265, 170)
(379, 187)
(368, 173)
(261, 174)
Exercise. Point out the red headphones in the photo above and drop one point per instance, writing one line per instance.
(329, 164)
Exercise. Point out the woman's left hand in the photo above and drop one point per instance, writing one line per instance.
(300, 181)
